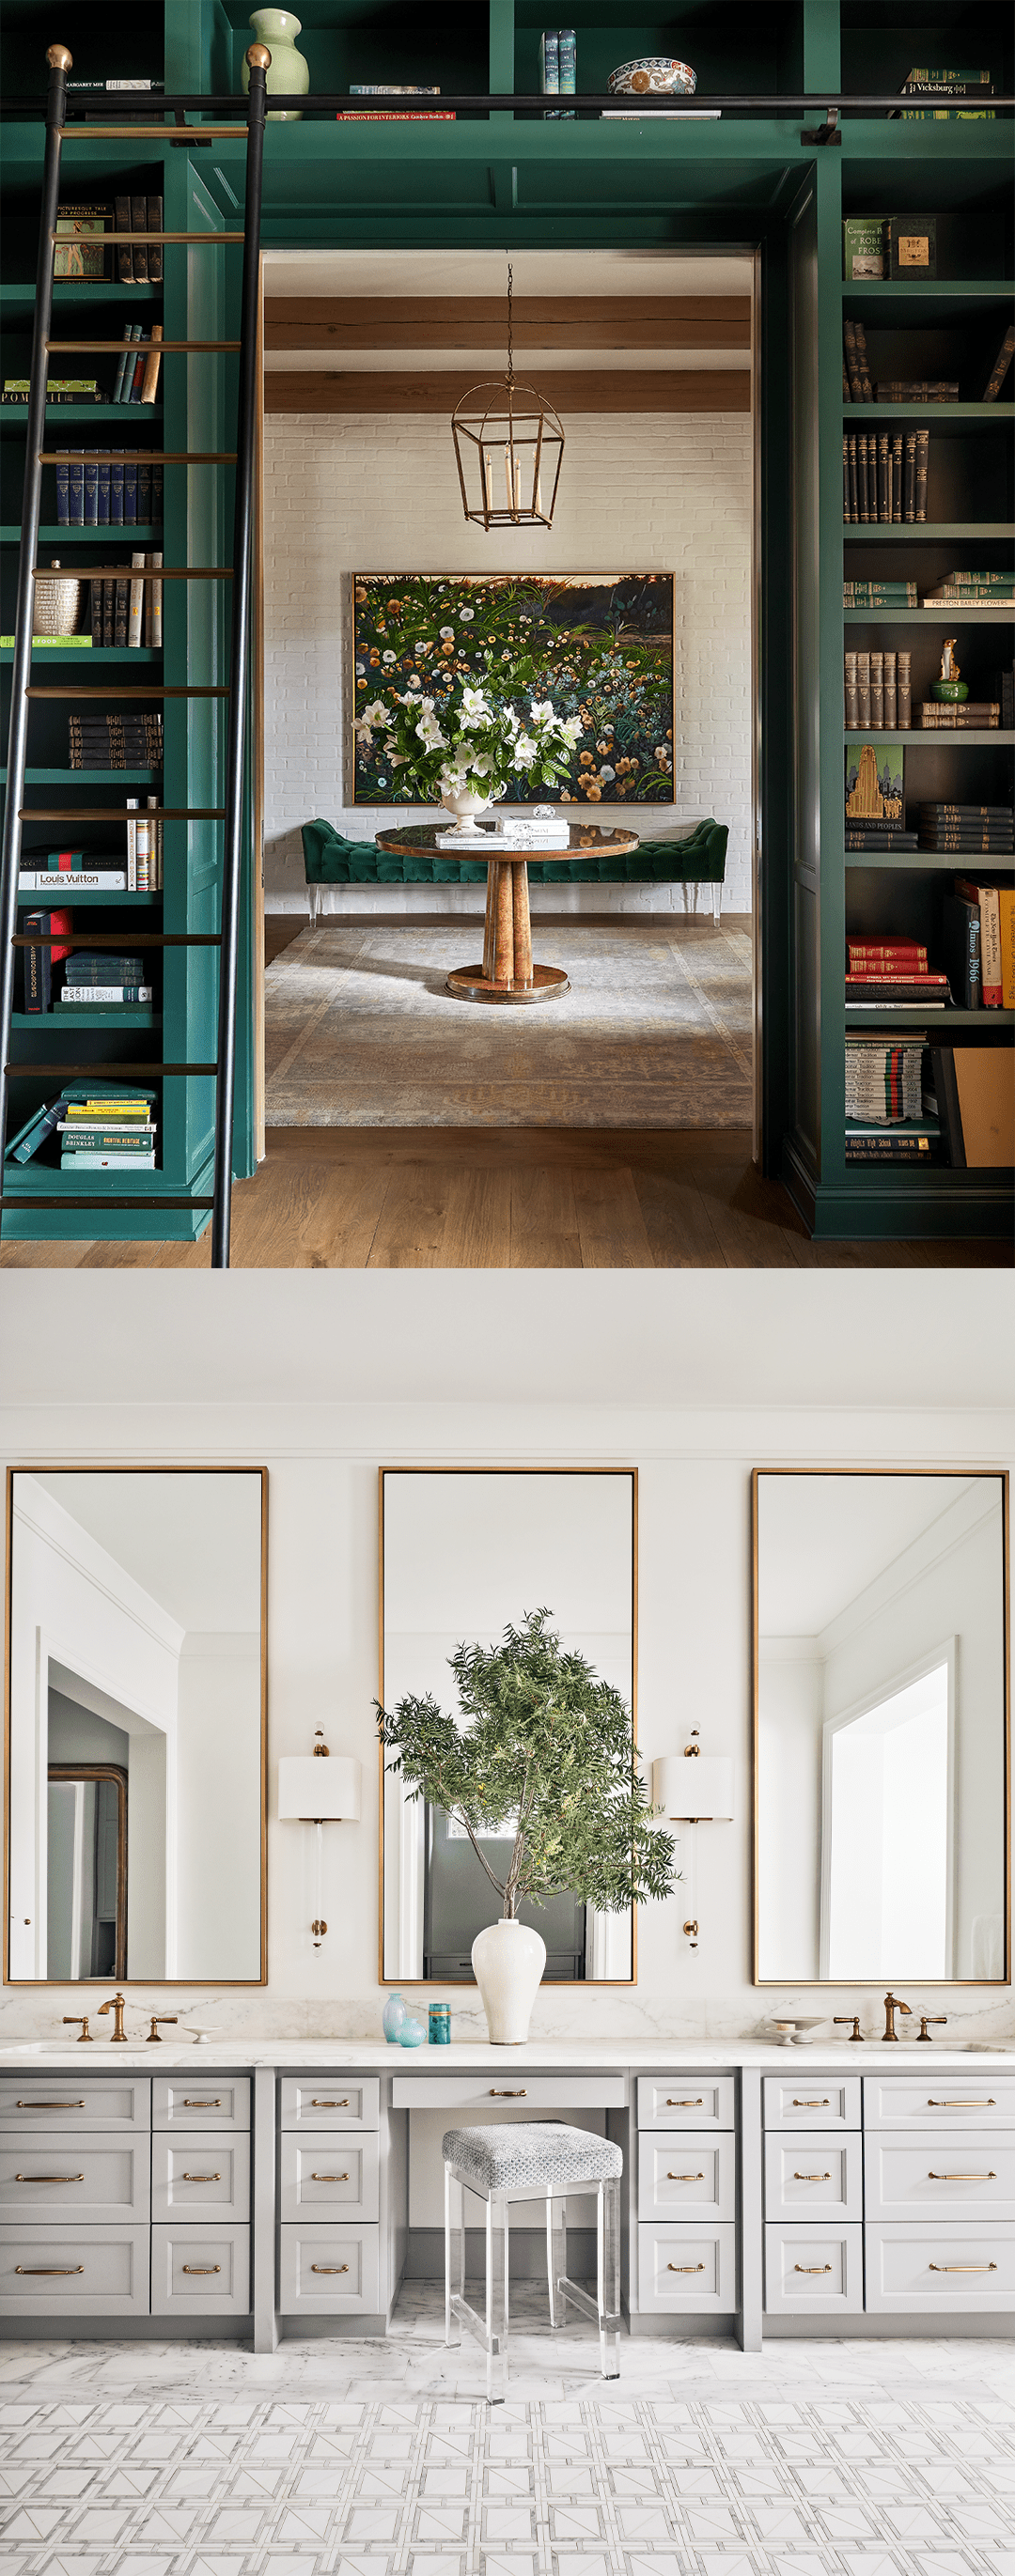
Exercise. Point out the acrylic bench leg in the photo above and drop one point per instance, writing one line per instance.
(556, 2256)
(608, 2283)
(497, 2297)
(454, 2254)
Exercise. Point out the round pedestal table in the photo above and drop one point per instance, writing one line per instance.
(507, 972)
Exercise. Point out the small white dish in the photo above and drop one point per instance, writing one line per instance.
(796, 2029)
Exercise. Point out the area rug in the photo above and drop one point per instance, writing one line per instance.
(360, 1030)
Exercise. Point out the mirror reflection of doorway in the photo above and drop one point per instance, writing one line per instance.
(456, 1905)
(86, 1879)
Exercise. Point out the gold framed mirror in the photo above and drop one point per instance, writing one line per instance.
(136, 1725)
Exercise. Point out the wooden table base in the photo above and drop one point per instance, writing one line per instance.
(507, 973)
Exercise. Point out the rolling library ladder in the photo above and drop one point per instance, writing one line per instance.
(20, 1066)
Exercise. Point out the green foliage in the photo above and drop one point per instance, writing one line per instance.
(539, 1741)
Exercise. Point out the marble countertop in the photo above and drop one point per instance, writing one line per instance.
(469, 2057)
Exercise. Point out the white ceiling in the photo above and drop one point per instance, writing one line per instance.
(484, 272)
(192, 1542)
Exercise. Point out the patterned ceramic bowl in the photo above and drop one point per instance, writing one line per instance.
(655, 73)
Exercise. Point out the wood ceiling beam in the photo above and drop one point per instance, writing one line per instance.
(658, 389)
(356, 322)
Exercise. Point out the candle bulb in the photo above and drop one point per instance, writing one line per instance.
(507, 477)
(488, 466)
(518, 484)
(539, 498)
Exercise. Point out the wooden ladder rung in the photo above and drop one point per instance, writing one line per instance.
(118, 813)
(74, 1072)
(213, 238)
(114, 691)
(116, 947)
(144, 133)
(144, 572)
(151, 455)
(145, 348)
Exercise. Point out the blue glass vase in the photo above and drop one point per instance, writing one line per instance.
(412, 2033)
(394, 2013)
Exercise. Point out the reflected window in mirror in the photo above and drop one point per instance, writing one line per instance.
(136, 1651)
(881, 1727)
(463, 1554)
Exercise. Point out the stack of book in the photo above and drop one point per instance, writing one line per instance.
(392, 115)
(986, 828)
(879, 594)
(887, 974)
(125, 612)
(558, 65)
(885, 1116)
(83, 231)
(953, 87)
(917, 389)
(116, 741)
(986, 942)
(138, 263)
(884, 477)
(137, 377)
(972, 590)
(106, 1128)
(878, 692)
(59, 389)
(95, 980)
(70, 871)
(946, 715)
(51, 930)
(96, 490)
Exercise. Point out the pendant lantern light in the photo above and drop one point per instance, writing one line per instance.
(508, 448)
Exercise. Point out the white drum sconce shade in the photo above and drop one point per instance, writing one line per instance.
(691, 1789)
(319, 1788)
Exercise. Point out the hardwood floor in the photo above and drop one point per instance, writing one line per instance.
(511, 1198)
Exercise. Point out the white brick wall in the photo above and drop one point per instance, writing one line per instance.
(638, 492)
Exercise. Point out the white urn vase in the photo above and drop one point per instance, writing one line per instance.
(465, 806)
(508, 1960)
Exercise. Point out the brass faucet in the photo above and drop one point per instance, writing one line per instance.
(856, 2032)
(117, 2005)
(154, 2038)
(893, 2004)
(923, 2032)
(84, 2032)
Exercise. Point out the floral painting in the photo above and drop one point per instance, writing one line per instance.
(601, 644)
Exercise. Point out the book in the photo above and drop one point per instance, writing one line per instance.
(863, 246)
(1001, 365)
(952, 86)
(985, 897)
(135, 605)
(124, 253)
(912, 245)
(395, 115)
(924, 392)
(549, 63)
(80, 249)
(897, 475)
(139, 224)
(86, 880)
(936, 718)
(873, 784)
(130, 488)
(960, 580)
(78, 1162)
(104, 1138)
(63, 487)
(116, 466)
(960, 948)
(108, 614)
(103, 996)
(879, 594)
(154, 225)
(893, 1148)
(76, 487)
(95, 610)
(852, 365)
(912, 951)
(922, 462)
(143, 489)
(41, 959)
(154, 606)
(567, 60)
(150, 376)
(132, 332)
(91, 487)
(863, 369)
(133, 383)
(59, 389)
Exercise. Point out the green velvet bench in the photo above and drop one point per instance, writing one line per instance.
(330, 859)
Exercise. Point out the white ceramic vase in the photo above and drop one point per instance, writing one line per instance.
(465, 807)
(508, 1960)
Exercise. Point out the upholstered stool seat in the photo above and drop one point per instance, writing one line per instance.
(527, 2160)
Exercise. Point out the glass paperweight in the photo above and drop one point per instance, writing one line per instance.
(393, 2015)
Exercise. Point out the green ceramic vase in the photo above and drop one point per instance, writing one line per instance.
(288, 71)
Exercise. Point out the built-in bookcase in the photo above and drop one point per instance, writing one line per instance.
(195, 408)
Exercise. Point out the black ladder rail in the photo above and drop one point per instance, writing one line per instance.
(59, 60)
(226, 939)
(258, 59)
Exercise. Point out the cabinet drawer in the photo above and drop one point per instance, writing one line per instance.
(55, 2271)
(67, 2102)
(330, 2102)
(224, 2103)
(331, 2175)
(945, 2174)
(685, 2102)
(329, 2271)
(200, 2271)
(200, 2176)
(831, 2102)
(69, 2183)
(813, 2270)
(689, 2174)
(937, 2266)
(818, 2174)
(485, 2092)
(687, 2267)
(943, 2101)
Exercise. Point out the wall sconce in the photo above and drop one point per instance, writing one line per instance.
(309, 1794)
(702, 1794)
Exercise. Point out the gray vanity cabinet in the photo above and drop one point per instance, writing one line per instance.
(686, 2169)
(331, 2261)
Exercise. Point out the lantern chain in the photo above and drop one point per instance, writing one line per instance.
(510, 344)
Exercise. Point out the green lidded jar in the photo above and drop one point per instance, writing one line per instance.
(440, 2025)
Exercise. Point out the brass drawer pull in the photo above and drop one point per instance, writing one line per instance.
(48, 2271)
(317, 2104)
(812, 2177)
(194, 2105)
(316, 2177)
(49, 2106)
(697, 2105)
(202, 2267)
(672, 2177)
(978, 2177)
(824, 2105)
(962, 2267)
(505, 2093)
(329, 2267)
(812, 2267)
(969, 2104)
(49, 2177)
(201, 2177)
(685, 2267)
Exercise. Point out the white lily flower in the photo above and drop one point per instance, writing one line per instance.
(525, 751)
